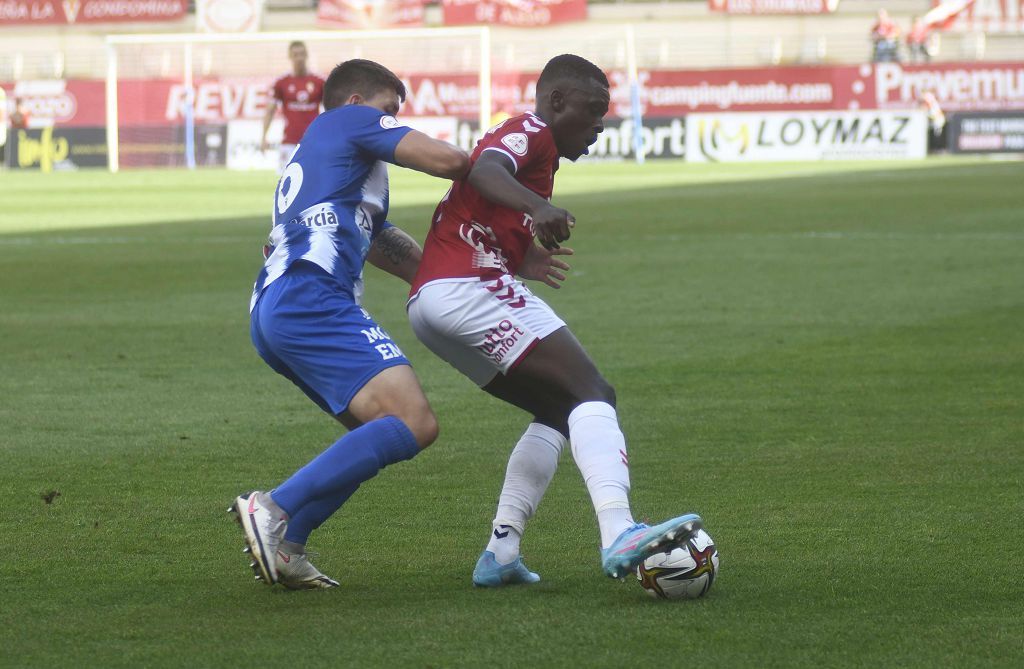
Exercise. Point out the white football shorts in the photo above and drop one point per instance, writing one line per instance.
(480, 327)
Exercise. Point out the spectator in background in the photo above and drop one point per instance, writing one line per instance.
(936, 122)
(885, 35)
(19, 116)
(299, 94)
(917, 41)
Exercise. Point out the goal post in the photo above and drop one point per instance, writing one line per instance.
(158, 112)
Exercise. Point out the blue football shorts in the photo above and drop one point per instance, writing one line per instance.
(307, 326)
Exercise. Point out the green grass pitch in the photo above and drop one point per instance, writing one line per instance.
(826, 361)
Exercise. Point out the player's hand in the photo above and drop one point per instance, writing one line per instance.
(540, 264)
(263, 145)
(552, 225)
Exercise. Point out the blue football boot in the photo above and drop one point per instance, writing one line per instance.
(639, 542)
(489, 574)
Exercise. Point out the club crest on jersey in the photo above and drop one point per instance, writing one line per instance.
(389, 122)
(517, 143)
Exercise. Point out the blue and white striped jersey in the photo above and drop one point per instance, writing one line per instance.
(332, 198)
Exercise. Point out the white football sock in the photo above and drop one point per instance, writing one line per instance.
(530, 468)
(600, 452)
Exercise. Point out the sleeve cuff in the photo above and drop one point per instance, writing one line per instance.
(506, 153)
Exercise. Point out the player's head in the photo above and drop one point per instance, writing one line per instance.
(297, 54)
(572, 98)
(364, 82)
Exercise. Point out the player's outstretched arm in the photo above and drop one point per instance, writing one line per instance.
(268, 118)
(395, 252)
(425, 154)
(493, 176)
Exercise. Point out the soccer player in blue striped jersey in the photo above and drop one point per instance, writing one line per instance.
(307, 322)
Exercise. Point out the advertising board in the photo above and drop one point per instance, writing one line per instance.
(763, 137)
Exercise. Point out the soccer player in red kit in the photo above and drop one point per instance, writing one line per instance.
(469, 308)
(299, 94)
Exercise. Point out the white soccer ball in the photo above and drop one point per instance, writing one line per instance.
(686, 572)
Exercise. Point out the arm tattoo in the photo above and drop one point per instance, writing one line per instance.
(394, 246)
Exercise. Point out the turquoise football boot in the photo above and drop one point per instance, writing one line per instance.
(489, 574)
(639, 542)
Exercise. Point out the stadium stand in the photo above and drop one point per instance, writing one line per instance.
(669, 34)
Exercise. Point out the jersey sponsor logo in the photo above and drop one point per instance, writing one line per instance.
(376, 333)
(385, 348)
(500, 340)
(388, 351)
(484, 256)
(517, 143)
(317, 216)
(389, 122)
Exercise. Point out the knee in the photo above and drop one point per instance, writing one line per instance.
(599, 390)
(423, 425)
(596, 390)
(607, 392)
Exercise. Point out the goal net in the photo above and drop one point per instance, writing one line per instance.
(189, 100)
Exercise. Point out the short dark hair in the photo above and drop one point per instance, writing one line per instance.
(364, 77)
(295, 44)
(571, 67)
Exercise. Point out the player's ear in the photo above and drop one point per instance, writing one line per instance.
(355, 99)
(557, 99)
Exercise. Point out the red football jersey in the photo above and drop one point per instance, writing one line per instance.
(300, 99)
(473, 237)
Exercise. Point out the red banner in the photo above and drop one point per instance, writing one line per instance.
(990, 16)
(520, 13)
(664, 94)
(680, 92)
(75, 103)
(20, 12)
(370, 13)
(956, 86)
(773, 6)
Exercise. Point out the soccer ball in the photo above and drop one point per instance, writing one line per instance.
(686, 572)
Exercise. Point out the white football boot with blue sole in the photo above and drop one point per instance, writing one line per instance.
(639, 542)
(489, 574)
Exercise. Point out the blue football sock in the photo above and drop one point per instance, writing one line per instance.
(354, 458)
(314, 514)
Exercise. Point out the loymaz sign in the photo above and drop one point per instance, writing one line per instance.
(855, 135)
